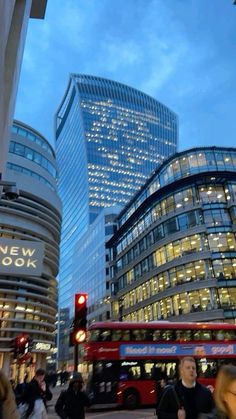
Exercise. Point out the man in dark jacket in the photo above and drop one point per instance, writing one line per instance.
(71, 403)
(186, 399)
(37, 392)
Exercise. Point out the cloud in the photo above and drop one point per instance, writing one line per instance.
(168, 49)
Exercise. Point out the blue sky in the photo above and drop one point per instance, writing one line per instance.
(182, 52)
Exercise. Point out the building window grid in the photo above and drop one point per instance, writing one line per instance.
(189, 302)
(29, 172)
(172, 203)
(32, 155)
(32, 137)
(197, 161)
(186, 246)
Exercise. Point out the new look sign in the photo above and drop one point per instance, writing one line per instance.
(20, 257)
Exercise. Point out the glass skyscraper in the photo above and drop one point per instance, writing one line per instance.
(109, 138)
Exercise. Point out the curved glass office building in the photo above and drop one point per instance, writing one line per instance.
(174, 254)
(28, 300)
(109, 138)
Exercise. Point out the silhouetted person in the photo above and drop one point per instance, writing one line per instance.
(72, 402)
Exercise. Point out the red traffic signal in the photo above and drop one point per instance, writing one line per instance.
(81, 299)
(21, 345)
(80, 318)
(78, 335)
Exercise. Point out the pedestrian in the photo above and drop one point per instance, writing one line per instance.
(36, 395)
(8, 409)
(72, 402)
(19, 390)
(187, 398)
(161, 387)
(224, 394)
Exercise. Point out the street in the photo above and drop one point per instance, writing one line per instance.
(103, 414)
(117, 414)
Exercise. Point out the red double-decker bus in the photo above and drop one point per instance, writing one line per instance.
(124, 363)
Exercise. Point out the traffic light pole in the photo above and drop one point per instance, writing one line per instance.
(76, 353)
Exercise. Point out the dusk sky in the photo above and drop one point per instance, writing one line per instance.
(181, 52)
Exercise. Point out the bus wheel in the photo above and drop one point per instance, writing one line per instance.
(131, 399)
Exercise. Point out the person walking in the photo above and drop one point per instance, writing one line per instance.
(8, 409)
(36, 395)
(187, 398)
(72, 402)
(224, 394)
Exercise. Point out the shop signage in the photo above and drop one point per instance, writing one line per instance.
(41, 346)
(20, 257)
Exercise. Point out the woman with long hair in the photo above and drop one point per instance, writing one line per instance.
(8, 409)
(224, 394)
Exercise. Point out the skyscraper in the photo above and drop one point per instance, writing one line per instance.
(109, 138)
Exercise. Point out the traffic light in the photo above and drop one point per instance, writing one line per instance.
(21, 345)
(78, 334)
(80, 318)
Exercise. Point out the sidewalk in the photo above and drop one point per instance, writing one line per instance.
(51, 404)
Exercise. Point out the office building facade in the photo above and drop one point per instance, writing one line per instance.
(28, 298)
(14, 17)
(174, 254)
(109, 138)
(91, 264)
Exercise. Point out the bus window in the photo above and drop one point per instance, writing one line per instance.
(159, 371)
(167, 335)
(163, 335)
(125, 335)
(202, 335)
(206, 368)
(171, 370)
(98, 369)
(225, 335)
(120, 335)
(229, 334)
(156, 335)
(219, 335)
(94, 335)
(105, 336)
(148, 370)
(105, 371)
(149, 335)
(185, 335)
(116, 335)
(139, 334)
(130, 371)
(135, 373)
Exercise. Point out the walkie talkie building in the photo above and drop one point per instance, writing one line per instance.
(109, 138)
